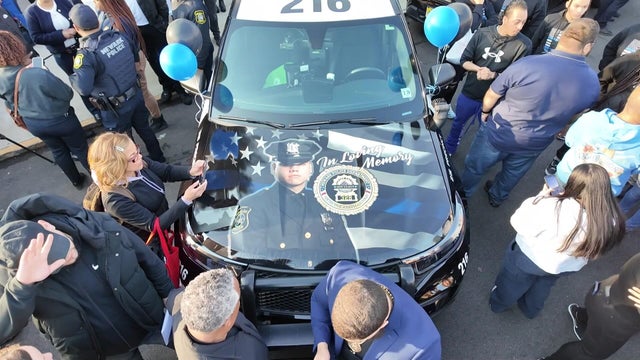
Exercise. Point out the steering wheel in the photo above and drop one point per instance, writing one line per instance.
(366, 72)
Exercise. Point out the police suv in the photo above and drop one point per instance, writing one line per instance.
(321, 147)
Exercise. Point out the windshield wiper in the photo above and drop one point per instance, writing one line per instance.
(363, 121)
(248, 121)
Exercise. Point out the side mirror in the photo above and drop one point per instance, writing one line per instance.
(441, 74)
(195, 85)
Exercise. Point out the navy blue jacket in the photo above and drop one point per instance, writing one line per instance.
(41, 27)
(410, 333)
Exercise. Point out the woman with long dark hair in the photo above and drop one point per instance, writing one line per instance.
(118, 16)
(557, 235)
(44, 103)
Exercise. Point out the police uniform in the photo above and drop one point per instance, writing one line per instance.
(287, 221)
(104, 69)
(196, 12)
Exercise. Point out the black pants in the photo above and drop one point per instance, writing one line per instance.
(154, 42)
(606, 10)
(64, 136)
(133, 115)
(562, 150)
(608, 328)
(213, 18)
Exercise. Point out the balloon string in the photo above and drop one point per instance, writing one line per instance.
(440, 57)
(199, 96)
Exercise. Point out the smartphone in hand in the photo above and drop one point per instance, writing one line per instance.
(553, 184)
(202, 176)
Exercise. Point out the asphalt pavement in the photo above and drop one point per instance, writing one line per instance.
(468, 328)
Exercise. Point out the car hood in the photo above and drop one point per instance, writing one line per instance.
(375, 194)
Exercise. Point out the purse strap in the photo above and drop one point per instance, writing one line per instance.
(15, 91)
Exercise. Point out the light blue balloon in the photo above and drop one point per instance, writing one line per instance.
(441, 26)
(178, 62)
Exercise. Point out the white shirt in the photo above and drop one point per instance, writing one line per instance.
(542, 229)
(59, 22)
(141, 20)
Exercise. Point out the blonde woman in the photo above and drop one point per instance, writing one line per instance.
(115, 161)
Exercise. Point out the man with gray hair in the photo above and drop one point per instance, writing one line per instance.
(207, 322)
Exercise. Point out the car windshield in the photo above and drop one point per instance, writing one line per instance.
(304, 199)
(292, 73)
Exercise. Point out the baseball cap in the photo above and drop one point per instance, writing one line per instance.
(83, 17)
(293, 151)
(15, 237)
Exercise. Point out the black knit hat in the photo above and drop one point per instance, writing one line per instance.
(16, 236)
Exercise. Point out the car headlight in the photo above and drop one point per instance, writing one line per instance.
(452, 231)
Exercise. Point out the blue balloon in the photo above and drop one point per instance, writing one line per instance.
(441, 26)
(395, 80)
(222, 98)
(178, 62)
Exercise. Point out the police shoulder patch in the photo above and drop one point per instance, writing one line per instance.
(241, 221)
(200, 17)
(77, 61)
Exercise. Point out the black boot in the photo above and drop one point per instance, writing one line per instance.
(185, 97)
(222, 6)
(165, 97)
(158, 124)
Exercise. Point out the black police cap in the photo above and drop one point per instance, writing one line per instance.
(84, 17)
(293, 151)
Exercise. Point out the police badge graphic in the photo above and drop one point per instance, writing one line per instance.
(345, 190)
(241, 221)
(200, 17)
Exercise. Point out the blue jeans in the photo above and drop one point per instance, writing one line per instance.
(521, 281)
(465, 109)
(606, 10)
(482, 156)
(630, 206)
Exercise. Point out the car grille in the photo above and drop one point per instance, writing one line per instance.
(288, 301)
(296, 302)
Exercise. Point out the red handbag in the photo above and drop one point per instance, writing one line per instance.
(171, 253)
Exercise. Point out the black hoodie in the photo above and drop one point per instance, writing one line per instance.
(487, 48)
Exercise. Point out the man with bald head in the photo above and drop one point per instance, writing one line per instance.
(526, 106)
(607, 138)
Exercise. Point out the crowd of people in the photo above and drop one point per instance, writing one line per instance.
(97, 291)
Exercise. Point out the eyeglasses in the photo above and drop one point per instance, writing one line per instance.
(134, 157)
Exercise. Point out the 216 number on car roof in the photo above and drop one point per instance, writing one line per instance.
(314, 10)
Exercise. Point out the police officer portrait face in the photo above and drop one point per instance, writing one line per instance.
(294, 176)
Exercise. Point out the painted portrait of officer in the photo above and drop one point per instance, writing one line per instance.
(286, 215)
